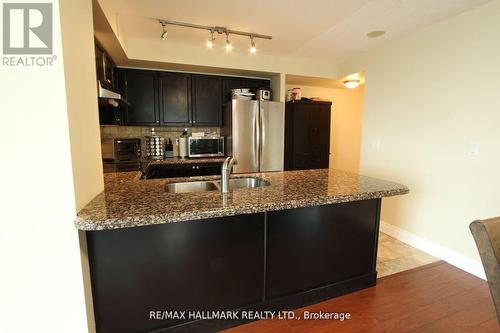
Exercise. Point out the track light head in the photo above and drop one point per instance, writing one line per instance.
(210, 42)
(165, 31)
(253, 49)
(228, 46)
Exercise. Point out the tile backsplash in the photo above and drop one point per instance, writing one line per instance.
(141, 132)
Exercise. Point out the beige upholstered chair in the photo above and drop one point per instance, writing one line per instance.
(487, 236)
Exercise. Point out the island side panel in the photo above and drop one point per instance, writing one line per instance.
(332, 247)
(215, 264)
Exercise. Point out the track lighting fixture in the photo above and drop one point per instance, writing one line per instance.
(210, 42)
(215, 29)
(228, 46)
(165, 31)
(253, 49)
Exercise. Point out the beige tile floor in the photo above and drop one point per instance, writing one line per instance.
(394, 256)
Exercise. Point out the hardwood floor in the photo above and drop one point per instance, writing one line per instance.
(436, 297)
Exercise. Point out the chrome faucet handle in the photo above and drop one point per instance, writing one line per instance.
(229, 162)
(227, 166)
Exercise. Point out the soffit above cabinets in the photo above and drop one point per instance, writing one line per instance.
(325, 30)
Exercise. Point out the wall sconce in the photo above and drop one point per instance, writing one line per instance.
(351, 84)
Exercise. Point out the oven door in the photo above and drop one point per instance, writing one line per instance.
(127, 150)
(206, 147)
(108, 149)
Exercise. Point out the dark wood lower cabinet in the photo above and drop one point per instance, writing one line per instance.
(266, 261)
(182, 170)
(202, 265)
(316, 246)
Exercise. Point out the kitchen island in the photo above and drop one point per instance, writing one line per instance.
(305, 237)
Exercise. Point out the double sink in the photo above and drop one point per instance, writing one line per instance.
(205, 186)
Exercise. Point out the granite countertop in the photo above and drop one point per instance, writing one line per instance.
(129, 201)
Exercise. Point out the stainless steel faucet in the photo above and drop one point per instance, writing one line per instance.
(227, 166)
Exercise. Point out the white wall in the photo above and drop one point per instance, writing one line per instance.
(346, 123)
(81, 91)
(41, 284)
(427, 96)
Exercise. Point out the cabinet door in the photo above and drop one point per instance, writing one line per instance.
(207, 106)
(311, 135)
(175, 99)
(303, 161)
(229, 83)
(141, 90)
(109, 71)
(317, 246)
(207, 265)
(154, 171)
(255, 84)
(99, 63)
(209, 169)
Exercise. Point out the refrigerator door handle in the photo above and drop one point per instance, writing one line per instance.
(257, 143)
(262, 137)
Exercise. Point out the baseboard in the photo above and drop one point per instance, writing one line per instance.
(452, 257)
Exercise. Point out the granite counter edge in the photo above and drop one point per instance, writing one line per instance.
(96, 224)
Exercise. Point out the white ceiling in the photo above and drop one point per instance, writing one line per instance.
(327, 30)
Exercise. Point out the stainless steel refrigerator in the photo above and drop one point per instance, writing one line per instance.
(254, 135)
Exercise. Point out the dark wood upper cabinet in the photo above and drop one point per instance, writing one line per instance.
(170, 98)
(140, 88)
(105, 67)
(99, 63)
(229, 83)
(307, 135)
(207, 100)
(109, 71)
(175, 99)
(255, 84)
(106, 74)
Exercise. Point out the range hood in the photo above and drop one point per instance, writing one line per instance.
(105, 93)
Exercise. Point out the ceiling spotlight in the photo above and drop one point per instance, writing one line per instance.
(351, 84)
(253, 49)
(210, 42)
(165, 31)
(228, 46)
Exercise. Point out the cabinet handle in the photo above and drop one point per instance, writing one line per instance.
(194, 167)
(194, 121)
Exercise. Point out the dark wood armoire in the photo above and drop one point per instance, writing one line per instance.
(307, 135)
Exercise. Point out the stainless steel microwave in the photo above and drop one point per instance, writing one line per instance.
(205, 146)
